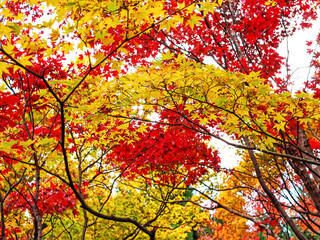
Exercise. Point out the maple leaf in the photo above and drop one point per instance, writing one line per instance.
(309, 43)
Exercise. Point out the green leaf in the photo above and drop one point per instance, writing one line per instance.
(112, 7)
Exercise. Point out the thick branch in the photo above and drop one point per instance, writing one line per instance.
(273, 199)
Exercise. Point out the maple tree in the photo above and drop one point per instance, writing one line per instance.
(108, 109)
(172, 221)
(247, 100)
(59, 148)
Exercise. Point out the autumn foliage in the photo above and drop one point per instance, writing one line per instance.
(112, 113)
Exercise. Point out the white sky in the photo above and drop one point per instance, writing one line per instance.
(299, 60)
